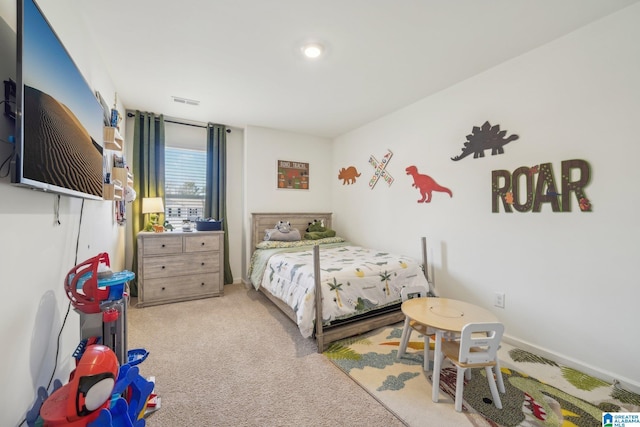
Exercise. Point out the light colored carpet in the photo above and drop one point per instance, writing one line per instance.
(238, 361)
(539, 392)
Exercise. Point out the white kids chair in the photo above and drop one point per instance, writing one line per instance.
(477, 347)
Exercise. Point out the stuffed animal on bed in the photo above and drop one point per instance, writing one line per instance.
(316, 225)
(282, 231)
(283, 226)
(317, 230)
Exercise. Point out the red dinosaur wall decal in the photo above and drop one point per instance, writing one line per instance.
(425, 184)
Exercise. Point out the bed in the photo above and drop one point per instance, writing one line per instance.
(331, 288)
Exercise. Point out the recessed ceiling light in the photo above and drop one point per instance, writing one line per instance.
(312, 50)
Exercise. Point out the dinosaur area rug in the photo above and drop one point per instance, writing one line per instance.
(539, 392)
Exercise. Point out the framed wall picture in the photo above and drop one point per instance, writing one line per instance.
(294, 175)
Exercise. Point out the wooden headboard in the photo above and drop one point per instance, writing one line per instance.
(299, 220)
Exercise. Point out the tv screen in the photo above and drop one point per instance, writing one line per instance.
(59, 124)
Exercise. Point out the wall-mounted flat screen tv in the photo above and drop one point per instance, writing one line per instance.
(59, 121)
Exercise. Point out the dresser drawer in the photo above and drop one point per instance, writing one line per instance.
(180, 287)
(202, 243)
(162, 245)
(179, 265)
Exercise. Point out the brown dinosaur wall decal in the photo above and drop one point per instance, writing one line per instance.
(348, 175)
(425, 184)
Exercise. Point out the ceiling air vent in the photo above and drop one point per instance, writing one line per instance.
(180, 100)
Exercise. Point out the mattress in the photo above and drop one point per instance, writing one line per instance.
(354, 280)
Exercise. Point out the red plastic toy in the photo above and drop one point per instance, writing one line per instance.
(88, 391)
(81, 285)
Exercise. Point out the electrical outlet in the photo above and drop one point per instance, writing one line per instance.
(498, 299)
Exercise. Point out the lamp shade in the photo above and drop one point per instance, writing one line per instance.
(152, 205)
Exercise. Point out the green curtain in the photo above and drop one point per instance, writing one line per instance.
(215, 201)
(148, 173)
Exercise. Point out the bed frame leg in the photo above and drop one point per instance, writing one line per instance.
(426, 266)
(318, 294)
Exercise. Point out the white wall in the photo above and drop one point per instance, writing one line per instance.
(569, 278)
(263, 147)
(37, 253)
(235, 183)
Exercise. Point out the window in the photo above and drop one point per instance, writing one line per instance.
(185, 174)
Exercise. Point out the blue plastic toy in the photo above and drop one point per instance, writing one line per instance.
(121, 412)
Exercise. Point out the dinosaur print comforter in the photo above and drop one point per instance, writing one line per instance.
(354, 280)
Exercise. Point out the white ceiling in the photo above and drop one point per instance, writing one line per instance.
(240, 58)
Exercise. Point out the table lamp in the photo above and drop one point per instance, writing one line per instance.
(152, 206)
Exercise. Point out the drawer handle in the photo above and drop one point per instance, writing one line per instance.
(202, 263)
(163, 245)
(202, 243)
(163, 267)
(202, 284)
(163, 288)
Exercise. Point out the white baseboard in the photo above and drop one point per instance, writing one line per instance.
(623, 382)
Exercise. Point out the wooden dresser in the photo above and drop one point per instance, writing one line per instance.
(179, 266)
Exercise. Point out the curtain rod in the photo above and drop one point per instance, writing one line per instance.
(172, 120)
(179, 122)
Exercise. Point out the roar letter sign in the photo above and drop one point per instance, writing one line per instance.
(524, 191)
